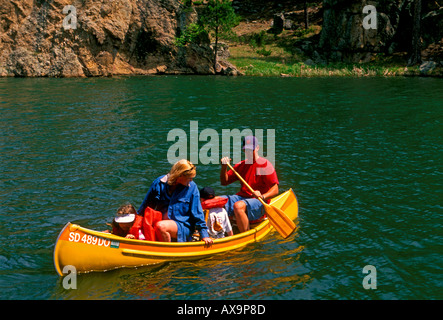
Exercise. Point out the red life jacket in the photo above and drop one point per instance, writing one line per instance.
(146, 224)
(217, 202)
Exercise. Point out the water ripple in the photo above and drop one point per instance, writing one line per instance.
(362, 155)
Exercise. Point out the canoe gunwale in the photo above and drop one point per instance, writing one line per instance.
(110, 236)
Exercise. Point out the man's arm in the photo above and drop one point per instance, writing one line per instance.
(272, 192)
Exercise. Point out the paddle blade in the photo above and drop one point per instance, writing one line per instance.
(280, 221)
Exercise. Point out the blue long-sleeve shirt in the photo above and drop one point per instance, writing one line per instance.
(182, 206)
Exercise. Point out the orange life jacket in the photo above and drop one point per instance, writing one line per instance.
(146, 224)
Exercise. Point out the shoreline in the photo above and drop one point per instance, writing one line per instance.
(300, 70)
(246, 75)
(278, 62)
(349, 71)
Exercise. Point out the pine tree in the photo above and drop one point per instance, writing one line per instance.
(218, 17)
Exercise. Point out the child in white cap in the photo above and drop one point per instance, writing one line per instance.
(123, 222)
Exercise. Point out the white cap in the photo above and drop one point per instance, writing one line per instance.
(125, 218)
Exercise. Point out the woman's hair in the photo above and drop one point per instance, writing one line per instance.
(181, 168)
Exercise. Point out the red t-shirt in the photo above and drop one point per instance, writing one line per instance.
(260, 175)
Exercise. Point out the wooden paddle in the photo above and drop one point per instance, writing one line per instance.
(278, 218)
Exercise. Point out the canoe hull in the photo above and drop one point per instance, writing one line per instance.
(88, 250)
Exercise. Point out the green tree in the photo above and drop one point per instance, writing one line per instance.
(218, 18)
(193, 33)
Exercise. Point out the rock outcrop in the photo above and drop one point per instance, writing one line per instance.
(343, 37)
(41, 38)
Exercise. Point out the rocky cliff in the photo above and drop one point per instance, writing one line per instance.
(97, 38)
(343, 37)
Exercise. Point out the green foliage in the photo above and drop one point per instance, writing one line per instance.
(191, 34)
(301, 32)
(260, 38)
(264, 52)
(187, 6)
(253, 43)
(218, 17)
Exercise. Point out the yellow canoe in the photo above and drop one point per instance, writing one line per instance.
(88, 250)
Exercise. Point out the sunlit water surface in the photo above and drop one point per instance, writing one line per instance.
(362, 155)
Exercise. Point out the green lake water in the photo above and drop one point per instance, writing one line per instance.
(363, 156)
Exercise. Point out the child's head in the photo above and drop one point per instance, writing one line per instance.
(207, 193)
(125, 216)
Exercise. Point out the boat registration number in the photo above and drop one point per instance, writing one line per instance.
(88, 239)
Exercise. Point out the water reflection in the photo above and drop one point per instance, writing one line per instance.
(250, 271)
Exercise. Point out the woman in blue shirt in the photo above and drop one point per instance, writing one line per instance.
(177, 197)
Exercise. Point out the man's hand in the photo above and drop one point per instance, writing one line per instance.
(223, 171)
(225, 160)
(258, 194)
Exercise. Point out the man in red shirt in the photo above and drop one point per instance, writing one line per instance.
(260, 174)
